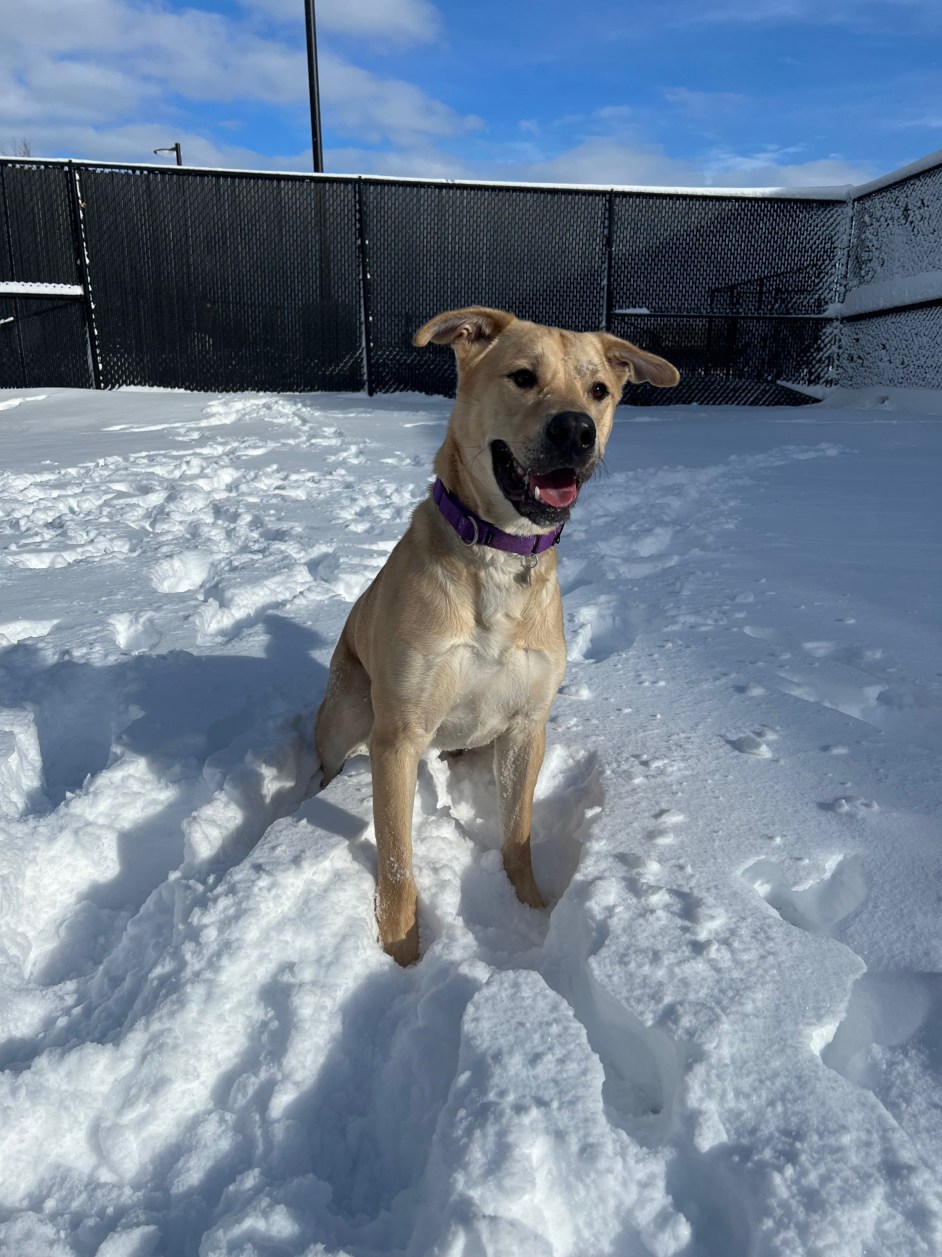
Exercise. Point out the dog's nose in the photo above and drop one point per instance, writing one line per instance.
(572, 434)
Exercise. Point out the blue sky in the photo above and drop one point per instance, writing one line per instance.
(685, 92)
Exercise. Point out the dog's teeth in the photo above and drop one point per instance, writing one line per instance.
(536, 493)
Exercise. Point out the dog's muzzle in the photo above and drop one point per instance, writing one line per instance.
(543, 481)
(571, 434)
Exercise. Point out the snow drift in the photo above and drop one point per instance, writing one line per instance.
(725, 1036)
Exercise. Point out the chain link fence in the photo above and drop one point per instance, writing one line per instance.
(891, 312)
(222, 280)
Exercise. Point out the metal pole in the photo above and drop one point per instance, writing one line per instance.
(609, 259)
(366, 318)
(176, 149)
(81, 258)
(313, 86)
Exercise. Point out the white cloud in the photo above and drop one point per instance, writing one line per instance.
(108, 79)
(605, 161)
(416, 163)
(861, 15)
(609, 162)
(135, 143)
(89, 79)
(396, 21)
(372, 108)
(200, 55)
(824, 172)
(931, 121)
(770, 167)
(698, 104)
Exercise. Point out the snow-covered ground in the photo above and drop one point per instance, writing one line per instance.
(724, 1039)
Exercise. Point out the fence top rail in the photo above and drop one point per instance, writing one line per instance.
(929, 162)
(841, 192)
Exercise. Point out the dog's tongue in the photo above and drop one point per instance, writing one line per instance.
(556, 488)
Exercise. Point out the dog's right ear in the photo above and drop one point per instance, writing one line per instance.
(464, 330)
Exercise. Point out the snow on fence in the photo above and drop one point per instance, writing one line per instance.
(224, 280)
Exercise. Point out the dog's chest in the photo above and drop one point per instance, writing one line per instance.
(499, 679)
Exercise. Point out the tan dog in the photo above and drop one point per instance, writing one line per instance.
(459, 644)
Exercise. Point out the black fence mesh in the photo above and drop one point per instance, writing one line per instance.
(896, 231)
(539, 253)
(224, 282)
(896, 349)
(725, 255)
(227, 281)
(731, 361)
(41, 341)
(733, 290)
(892, 337)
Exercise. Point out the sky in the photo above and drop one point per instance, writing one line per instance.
(724, 93)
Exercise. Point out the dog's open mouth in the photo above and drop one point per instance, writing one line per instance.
(541, 496)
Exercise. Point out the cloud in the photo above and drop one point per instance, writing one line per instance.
(135, 143)
(399, 22)
(697, 104)
(604, 161)
(931, 121)
(416, 163)
(89, 80)
(197, 54)
(113, 79)
(887, 16)
(608, 162)
(373, 109)
(770, 168)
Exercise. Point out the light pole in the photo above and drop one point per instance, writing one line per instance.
(174, 148)
(311, 30)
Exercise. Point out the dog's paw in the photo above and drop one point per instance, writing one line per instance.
(405, 951)
(398, 923)
(520, 872)
(529, 893)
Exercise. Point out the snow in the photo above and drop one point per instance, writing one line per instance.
(887, 294)
(725, 1036)
(929, 162)
(18, 288)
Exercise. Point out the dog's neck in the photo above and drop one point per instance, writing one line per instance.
(462, 507)
(475, 531)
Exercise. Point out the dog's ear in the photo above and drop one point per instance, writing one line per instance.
(640, 366)
(464, 330)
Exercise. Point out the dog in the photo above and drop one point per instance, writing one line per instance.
(458, 642)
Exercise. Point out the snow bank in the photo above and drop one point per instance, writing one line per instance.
(725, 1036)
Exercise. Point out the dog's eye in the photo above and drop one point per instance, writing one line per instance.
(523, 378)
(599, 390)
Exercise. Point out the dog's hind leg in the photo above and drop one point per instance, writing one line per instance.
(346, 714)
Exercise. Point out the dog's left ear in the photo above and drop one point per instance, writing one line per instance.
(641, 367)
(465, 329)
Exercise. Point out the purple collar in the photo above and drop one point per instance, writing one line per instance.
(475, 531)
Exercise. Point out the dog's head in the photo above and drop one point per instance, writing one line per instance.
(533, 412)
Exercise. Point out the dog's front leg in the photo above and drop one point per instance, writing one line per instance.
(394, 758)
(518, 756)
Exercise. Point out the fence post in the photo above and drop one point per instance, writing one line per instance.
(365, 316)
(835, 354)
(81, 256)
(609, 257)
